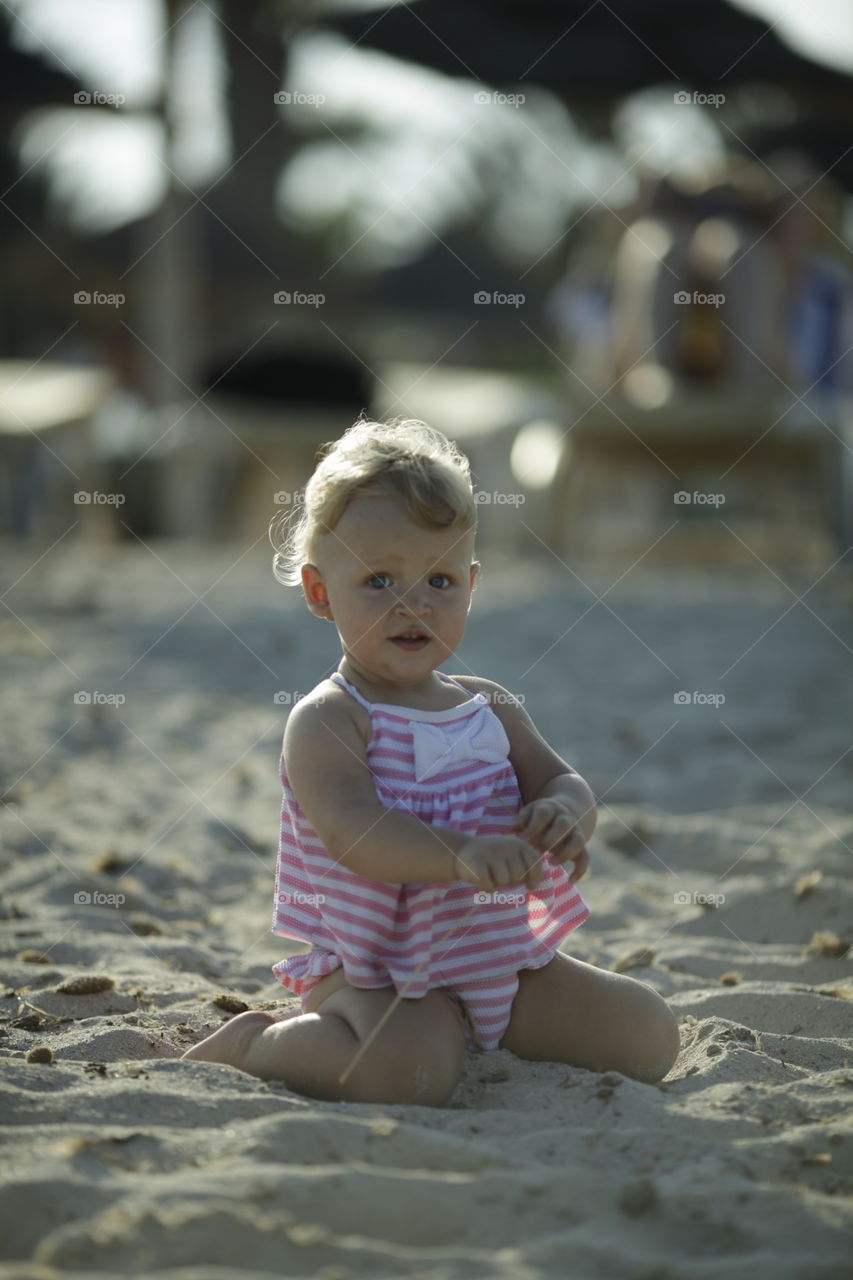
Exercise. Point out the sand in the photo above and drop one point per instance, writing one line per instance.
(720, 875)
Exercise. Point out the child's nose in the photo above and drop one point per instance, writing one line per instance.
(413, 601)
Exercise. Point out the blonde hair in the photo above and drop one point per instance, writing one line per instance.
(403, 458)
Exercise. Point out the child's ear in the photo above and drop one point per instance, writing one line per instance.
(314, 589)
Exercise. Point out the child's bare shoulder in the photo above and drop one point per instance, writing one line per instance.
(327, 707)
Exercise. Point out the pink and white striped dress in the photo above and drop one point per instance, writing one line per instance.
(449, 768)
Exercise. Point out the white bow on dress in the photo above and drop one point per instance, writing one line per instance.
(481, 737)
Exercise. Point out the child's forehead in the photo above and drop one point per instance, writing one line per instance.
(367, 510)
(383, 527)
(427, 546)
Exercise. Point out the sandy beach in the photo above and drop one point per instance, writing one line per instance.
(712, 717)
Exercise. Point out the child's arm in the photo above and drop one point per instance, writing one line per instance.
(326, 762)
(571, 791)
(560, 820)
(558, 812)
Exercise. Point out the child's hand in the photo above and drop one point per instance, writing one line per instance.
(552, 827)
(496, 862)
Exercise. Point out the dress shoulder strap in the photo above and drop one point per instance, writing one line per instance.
(450, 680)
(350, 688)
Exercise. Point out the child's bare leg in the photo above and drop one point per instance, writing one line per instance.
(569, 1011)
(417, 1056)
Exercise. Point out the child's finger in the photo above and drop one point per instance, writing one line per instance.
(536, 823)
(534, 875)
(560, 832)
(568, 843)
(581, 866)
(522, 816)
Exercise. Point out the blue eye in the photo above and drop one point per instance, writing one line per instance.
(379, 580)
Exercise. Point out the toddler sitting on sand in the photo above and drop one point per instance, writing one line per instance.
(426, 824)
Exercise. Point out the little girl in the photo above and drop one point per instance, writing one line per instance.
(425, 823)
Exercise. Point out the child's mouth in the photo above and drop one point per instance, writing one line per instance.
(412, 642)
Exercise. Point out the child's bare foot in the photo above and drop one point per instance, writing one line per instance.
(230, 1044)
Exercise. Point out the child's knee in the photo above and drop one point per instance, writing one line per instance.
(432, 1083)
(671, 1035)
(424, 1071)
(660, 1047)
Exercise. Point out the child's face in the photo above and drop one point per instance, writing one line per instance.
(383, 575)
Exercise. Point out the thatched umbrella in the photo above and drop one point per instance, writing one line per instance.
(594, 55)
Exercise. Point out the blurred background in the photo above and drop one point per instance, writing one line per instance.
(605, 247)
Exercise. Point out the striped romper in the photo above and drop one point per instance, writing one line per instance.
(449, 768)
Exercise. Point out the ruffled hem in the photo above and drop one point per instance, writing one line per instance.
(302, 972)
